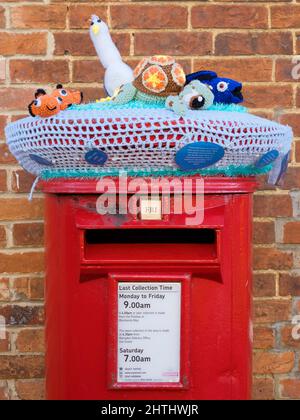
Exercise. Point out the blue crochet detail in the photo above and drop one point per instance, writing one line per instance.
(136, 104)
(231, 171)
(102, 106)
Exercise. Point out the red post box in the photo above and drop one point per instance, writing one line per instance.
(143, 307)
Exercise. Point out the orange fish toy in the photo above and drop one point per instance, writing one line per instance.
(44, 105)
(69, 97)
(48, 105)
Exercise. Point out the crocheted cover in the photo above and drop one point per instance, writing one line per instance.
(141, 141)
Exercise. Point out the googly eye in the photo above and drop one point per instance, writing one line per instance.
(59, 100)
(222, 86)
(197, 102)
(37, 103)
(63, 92)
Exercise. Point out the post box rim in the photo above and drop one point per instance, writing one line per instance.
(213, 185)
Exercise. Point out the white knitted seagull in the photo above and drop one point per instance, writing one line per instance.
(117, 73)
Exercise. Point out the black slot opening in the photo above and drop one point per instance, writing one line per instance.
(148, 236)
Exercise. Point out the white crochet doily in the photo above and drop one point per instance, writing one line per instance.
(140, 138)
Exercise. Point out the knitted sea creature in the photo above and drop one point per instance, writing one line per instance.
(226, 91)
(195, 96)
(48, 105)
(117, 72)
(69, 97)
(44, 105)
(155, 78)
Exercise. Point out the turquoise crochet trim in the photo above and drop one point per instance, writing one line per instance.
(102, 106)
(228, 107)
(231, 171)
(137, 104)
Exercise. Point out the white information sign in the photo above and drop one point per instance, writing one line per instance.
(149, 332)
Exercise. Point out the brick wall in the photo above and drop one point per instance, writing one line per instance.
(42, 42)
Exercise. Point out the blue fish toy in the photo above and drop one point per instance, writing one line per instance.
(226, 91)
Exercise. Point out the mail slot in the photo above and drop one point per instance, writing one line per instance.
(148, 308)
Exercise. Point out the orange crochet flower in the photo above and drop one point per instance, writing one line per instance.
(163, 60)
(155, 79)
(178, 74)
(140, 67)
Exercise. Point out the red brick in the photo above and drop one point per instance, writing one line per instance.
(15, 98)
(291, 233)
(254, 43)
(20, 289)
(36, 288)
(21, 367)
(87, 71)
(17, 315)
(263, 114)
(18, 117)
(290, 388)
(5, 156)
(30, 341)
(297, 96)
(271, 362)
(30, 389)
(293, 120)
(4, 391)
(269, 311)
(3, 180)
(289, 284)
(263, 389)
(3, 122)
(91, 94)
(264, 284)
(21, 209)
(2, 17)
(263, 232)
(272, 258)
(268, 96)
(78, 44)
(246, 70)
(80, 14)
(22, 262)
(297, 42)
(2, 236)
(5, 344)
(297, 151)
(154, 16)
(286, 70)
(38, 17)
(173, 43)
(272, 205)
(287, 339)
(39, 71)
(264, 338)
(4, 289)
(19, 43)
(229, 16)
(2, 71)
(31, 234)
(291, 179)
(287, 16)
(22, 181)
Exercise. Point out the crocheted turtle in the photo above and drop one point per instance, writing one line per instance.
(155, 78)
(158, 79)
